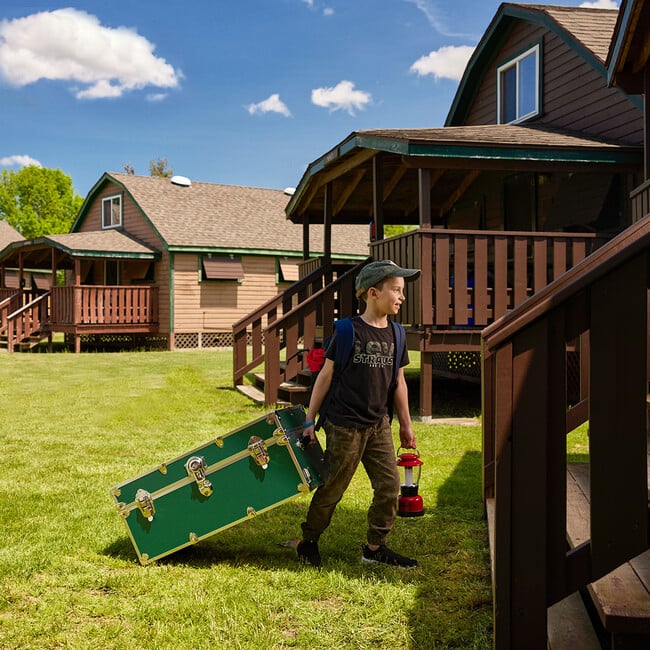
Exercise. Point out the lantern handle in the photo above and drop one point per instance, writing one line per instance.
(411, 451)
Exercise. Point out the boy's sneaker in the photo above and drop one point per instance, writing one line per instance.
(308, 553)
(383, 555)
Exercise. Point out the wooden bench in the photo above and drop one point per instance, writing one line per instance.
(622, 597)
(569, 626)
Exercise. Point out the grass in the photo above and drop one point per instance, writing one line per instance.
(75, 425)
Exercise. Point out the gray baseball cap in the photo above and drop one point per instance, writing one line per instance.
(375, 272)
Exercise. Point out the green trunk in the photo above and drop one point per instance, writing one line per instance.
(219, 484)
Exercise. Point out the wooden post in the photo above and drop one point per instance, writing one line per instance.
(327, 224)
(377, 199)
(77, 305)
(305, 238)
(424, 196)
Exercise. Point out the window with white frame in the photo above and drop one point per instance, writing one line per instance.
(518, 83)
(112, 212)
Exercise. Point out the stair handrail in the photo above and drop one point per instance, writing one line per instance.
(603, 298)
(302, 319)
(268, 310)
(17, 334)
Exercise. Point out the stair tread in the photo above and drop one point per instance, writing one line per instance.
(251, 392)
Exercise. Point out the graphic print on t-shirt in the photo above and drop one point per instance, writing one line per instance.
(377, 354)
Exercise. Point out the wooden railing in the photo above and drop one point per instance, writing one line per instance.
(604, 299)
(12, 300)
(99, 305)
(471, 277)
(297, 330)
(249, 333)
(28, 320)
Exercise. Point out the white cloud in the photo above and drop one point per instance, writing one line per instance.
(20, 160)
(156, 97)
(446, 63)
(328, 11)
(272, 104)
(71, 45)
(600, 4)
(343, 96)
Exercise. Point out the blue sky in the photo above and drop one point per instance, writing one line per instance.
(241, 92)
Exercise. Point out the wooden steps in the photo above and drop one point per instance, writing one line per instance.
(569, 626)
(622, 597)
(290, 393)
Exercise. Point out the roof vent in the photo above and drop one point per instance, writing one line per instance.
(289, 191)
(183, 181)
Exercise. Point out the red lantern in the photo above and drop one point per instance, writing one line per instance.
(409, 502)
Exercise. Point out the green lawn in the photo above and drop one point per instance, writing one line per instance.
(75, 425)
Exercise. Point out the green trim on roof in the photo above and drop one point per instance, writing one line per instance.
(199, 250)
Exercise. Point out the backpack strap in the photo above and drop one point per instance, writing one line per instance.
(344, 330)
(400, 344)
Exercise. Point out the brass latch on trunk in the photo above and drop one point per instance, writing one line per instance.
(195, 467)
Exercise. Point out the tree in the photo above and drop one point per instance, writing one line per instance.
(159, 168)
(38, 201)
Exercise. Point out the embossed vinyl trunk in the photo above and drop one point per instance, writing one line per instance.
(226, 481)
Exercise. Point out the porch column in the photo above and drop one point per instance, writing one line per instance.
(21, 276)
(377, 200)
(305, 238)
(424, 197)
(77, 304)
(53, 266)
(327, 224)
(646, 122)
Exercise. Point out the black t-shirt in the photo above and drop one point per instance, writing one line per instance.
(360, 393)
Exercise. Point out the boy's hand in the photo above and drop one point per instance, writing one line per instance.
(308, 434)
(407, 438)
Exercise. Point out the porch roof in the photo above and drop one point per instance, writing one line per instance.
(629, 51)
(104, 243)
(451, 153)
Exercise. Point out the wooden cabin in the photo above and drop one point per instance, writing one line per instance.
(154, 262)
(563, 532)
(504, 199)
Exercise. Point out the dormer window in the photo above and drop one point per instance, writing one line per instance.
(518, 87)
(112, 212)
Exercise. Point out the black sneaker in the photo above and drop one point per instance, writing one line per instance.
(383, 555)
(308, 553)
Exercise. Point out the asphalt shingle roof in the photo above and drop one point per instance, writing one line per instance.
(591, 27)
(208, 215)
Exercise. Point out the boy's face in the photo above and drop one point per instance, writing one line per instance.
(389, 296)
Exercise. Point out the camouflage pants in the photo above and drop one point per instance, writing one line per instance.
(345, 449)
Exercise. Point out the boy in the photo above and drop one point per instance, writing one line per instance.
(357, 424)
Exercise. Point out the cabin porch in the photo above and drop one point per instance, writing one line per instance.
(28, 317)
(469, 279)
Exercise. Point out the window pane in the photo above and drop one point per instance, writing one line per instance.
(527, 85)
(509, 95)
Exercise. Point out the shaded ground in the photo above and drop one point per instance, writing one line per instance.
(452, 398)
